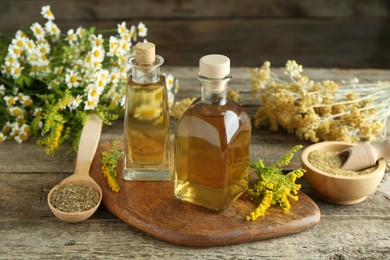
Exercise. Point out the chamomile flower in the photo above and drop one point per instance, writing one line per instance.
(123, 47)
(94, 92)
(133, 33)
(97, 41)
(91, 103)
(75, 102)
(72, 79)
(113, 46)
(30, 45)
(6, 69)
(2, 89)
(142, 30)
(15, 111)
(72, 37)
(169, 82)
(47, 13)
(26, 100)
(97, 54)
(19, 41)
(114, 77)
(14, 50)
(38, 111)
(11, 59)
(38, 31)
(43, 48)
(122, 29)
(2, 137)
(9, 100)
(52, 29)
(81, 32)
(25, 128)
(16, 70)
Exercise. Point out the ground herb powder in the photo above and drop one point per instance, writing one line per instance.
(331, 162)
(74, 198)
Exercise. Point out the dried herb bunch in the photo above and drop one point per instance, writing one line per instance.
(273, 187)
(326, 110)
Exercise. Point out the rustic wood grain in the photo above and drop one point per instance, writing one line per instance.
(29, 230)
(153, 208)
(318, 33)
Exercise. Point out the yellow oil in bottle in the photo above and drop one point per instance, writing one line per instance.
(146, 126)
(212, 154)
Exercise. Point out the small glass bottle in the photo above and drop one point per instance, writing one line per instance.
(146, 127)
(212, 142)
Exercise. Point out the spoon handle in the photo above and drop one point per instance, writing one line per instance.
(381, 150)
(89, 141)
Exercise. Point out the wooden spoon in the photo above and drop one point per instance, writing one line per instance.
(365, 155)
(89, 141)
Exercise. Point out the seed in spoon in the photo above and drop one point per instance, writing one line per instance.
(73, 198)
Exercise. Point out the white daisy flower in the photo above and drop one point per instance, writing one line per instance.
(9, 100)
(91, 103)
(19, 41)
(133, 33)
(47, 13)
(43, 48)
(15, 111)
(72, 37)
(52, 29)
(72, 79)
(2, 89)
(2, 137)
(76, 102)
(114, 77)
(142, 30)
(14, 50)
(38, 31)
(30, 45)
(37, 111)
(97, 41)
(97, 54)
(81, 32)
(11, 58)
(122, 29)
(169, 81)
(113, 46)
(16, 70)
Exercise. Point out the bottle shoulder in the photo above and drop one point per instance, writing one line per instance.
(227, 106)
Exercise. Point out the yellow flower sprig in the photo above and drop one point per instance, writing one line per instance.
(109, 163)
(273, 187)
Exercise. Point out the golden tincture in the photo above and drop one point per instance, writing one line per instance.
(212, 142)
(146, 129)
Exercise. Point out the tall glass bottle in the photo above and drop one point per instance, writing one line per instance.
(146, 128)
(212, 142)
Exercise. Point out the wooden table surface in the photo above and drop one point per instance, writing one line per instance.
(28, 229)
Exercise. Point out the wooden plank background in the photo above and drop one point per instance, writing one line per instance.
(317, 33)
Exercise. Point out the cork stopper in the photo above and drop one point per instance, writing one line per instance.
(214, 66)
(145, 53)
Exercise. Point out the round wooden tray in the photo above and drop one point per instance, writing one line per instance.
(153, 208)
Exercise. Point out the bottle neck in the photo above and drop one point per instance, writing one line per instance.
(146, 73)
(214, 90)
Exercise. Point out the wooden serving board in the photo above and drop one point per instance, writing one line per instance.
(153, 208)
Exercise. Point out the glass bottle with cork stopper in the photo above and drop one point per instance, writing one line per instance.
(146, 128)
(212, 142)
